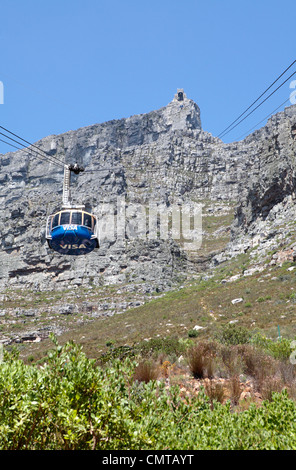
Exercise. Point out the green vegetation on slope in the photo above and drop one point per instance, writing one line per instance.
(268, 305)
(168, 374)
(73, 403)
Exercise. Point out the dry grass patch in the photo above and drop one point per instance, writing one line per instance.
(269, 386)
(146, 371)
(235, 388)
(215, 391)
(201, 359)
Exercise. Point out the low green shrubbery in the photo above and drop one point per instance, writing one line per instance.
(279, 349)
(72, 403)
(170, 346)
(232, 334)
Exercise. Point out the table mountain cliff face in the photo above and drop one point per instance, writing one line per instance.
(163, 158)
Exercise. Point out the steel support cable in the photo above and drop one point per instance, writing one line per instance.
(260, 104)
(254, 102)
(37, 154)
(33, 145)
(32, 153)
(51, 158)
(57, 161)
(43, 157)
(262, 120)
(11, 145)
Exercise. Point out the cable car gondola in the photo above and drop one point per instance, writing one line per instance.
(72, 230)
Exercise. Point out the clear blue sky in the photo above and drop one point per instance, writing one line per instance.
(66, 64)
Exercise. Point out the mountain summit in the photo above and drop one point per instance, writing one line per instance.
(163, 156)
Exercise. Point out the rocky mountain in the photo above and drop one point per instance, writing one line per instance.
(163, 158)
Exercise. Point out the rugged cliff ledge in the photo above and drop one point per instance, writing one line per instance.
(163, 157)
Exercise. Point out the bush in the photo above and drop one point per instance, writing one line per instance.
(215, 391)
(231, 359)
(201, 359)
(287, 371)
(119, 352)
(146, 371)
(269, 386)
(235, 389)
(170, 346)
(193, 333)
(232, 334)
(70, 403)
(279, 349)
(257, 364)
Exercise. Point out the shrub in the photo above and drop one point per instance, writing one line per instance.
(215, 391)
(72, 404)
(170, 346)
(232, 334)
(192, 333)
(231, 358)
(287, 371)
(119, 352)
(145, 372)
(257, 364)
(269, 386)
(201, 359)
(235, 389)
(279, 349)
(166, 367)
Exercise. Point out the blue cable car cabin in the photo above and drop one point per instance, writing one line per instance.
(72, 232)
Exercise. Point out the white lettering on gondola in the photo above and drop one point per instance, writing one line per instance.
(70, 227)
(72, 247)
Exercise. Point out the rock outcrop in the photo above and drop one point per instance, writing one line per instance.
(163, 157)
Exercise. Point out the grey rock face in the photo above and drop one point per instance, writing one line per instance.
(163, 157)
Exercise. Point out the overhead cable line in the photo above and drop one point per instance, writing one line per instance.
(254, 102)
(53, 159)
(260, 104)
(8, 143)
(266, 117)
(47, 157)
(43, 157)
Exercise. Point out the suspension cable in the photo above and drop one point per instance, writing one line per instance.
(56, 160)
(41, 156)
(224, 132)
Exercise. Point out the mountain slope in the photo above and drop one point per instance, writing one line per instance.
(246, 191)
